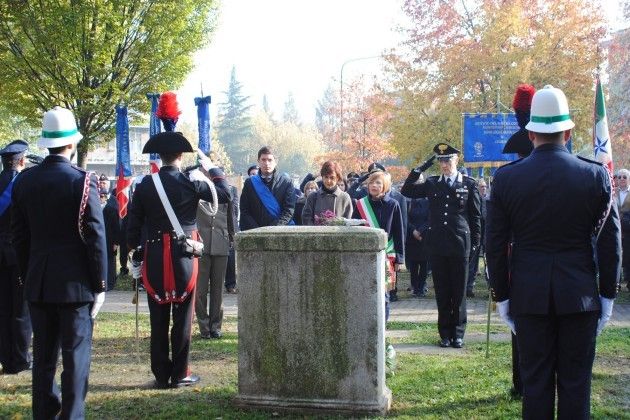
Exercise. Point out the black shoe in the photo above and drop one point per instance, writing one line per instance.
(445, 342)
(160, 385)
(458, 343)
(205, 336)
(215, 334)
(123, 271)
(393, 298)
(470, 294)
(187, 381)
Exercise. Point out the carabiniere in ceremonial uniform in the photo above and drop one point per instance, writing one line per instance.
(169, 276)
(454, 232)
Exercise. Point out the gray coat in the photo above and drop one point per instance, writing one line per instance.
(216, 231)
(320, 201)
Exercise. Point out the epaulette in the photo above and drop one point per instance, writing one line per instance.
(590, 160)
(509, 164)
(434, 177)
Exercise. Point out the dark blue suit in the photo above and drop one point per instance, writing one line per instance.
(553, 204)
(171, 283)
(454, 228)
(15, 323)
(59, 239)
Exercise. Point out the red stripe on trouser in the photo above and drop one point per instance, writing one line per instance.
(167, 261)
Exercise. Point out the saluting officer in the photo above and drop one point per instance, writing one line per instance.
(15, 322)
(59, 238)
(168, 275)
(454, 233)
(556, 289)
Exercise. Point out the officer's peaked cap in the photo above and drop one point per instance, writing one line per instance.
(16, 146)
(445, 151)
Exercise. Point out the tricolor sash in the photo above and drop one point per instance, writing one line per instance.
(367, 212)
(267, 198)
(5, 198)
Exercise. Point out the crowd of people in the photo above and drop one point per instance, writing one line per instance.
(61, 235)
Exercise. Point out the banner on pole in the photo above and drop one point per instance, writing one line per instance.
(154, 128)
(123, 160)
(203, 119)
(484, 136)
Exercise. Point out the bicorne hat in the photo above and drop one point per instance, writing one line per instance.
(519, 142)
(168, 142)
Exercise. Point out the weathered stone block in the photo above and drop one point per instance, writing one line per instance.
(311, 319)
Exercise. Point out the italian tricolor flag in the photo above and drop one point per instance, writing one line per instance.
(601, 139)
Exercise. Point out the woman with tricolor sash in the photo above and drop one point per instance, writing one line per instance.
(380, 211)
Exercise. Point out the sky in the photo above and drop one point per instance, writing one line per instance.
(298, 46)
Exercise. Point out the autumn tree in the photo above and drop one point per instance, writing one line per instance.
(295, 146)
(290, 113)
(619, 88)
(469, 56)
(234, 125)
(361, 136)
(90, 55)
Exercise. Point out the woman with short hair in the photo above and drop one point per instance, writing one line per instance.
(329, 198)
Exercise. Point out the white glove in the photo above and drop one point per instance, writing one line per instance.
(99, 299)
(197, 175)
(205, 161)
(607, 306)
(504, 312)
(136, 269)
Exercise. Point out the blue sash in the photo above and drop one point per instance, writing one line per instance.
(5, 198)
(267, 198)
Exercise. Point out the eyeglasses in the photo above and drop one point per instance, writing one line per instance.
(621, 177)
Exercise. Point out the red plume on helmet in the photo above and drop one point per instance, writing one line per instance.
(519, 142)
(168, 110)
(522, 103)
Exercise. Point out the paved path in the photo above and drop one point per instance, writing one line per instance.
(406, 309)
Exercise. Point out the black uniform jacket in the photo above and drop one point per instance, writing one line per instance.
(168, 276)
(7, 254)
(253, 212)
(58, 232)
(550, 205)
(454, 213)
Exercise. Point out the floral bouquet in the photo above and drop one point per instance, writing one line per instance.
(328, 218)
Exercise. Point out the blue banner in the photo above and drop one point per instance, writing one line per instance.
(203, 118)
(123, 157)
(484, 136)
(155, 126)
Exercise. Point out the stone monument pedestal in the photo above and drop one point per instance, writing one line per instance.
(311, 320)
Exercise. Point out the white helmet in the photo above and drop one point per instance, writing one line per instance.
(550, 112)
(58, 129)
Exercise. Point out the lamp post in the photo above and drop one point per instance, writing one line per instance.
(341, 90)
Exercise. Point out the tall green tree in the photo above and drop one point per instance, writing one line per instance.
(234, 128)
(90, 55)
(290, 114)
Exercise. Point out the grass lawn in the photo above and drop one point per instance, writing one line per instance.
(454, 385)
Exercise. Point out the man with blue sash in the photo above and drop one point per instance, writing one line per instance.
(268, 199)
(15, 322)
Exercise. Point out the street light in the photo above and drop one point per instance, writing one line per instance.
(341, 89)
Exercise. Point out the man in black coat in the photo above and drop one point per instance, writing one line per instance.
(268, 198)
(112, 235)
(557, 211)
(15, 322)
(59, 238)
(454, 234)
(170, 284)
